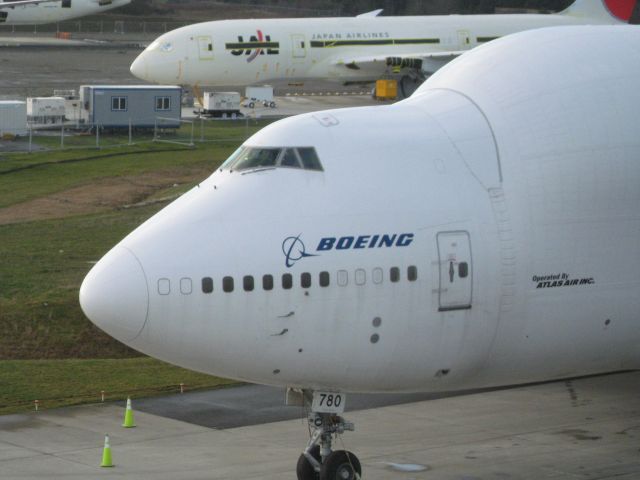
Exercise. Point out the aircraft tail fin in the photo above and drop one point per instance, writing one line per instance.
(602, 10)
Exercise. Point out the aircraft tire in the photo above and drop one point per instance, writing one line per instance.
(341, 465)
(304, 470)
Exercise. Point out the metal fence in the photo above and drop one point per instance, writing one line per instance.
(192, 132)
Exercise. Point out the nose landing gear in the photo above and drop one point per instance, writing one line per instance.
(319, 461)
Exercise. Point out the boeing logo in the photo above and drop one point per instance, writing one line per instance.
(294, 249)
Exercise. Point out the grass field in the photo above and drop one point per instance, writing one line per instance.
(51, 233)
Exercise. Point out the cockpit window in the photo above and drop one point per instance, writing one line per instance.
(247, 158)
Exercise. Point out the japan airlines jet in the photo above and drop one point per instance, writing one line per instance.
(35, 12)
(483, 232)
(360, 49)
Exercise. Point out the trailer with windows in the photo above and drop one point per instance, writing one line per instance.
(13, 118)
(138, 106)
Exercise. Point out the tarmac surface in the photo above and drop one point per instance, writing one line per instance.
(580, 429)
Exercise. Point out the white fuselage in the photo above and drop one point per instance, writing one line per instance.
(51, 12)
(244, 52)
(485, 231)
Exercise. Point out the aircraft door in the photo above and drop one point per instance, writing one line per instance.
(205, 47)
(456, 273)
(298, 46)
(464, 39)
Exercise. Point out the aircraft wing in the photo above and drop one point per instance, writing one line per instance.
(18, 3)
(427, 62)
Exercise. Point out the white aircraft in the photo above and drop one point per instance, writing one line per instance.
(360, 49)
(35, 12)
(483, 232)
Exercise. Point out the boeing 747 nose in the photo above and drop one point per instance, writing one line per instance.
(114, 295)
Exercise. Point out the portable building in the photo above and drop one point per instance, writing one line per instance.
(46, 109)
(13, 117)
(141, 106)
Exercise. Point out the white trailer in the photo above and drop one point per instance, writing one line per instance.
(45, 110)
(259, 94)
(13, 118)
(221, 104)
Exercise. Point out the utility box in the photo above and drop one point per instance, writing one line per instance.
(386, 89)
(221, 104)
(46, 110)
(13, 118)
(259, 94)
(138, 106)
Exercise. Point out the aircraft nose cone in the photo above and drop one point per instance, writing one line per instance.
(114, 295)
(139, 67)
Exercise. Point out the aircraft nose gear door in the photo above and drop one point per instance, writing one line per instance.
(456, 274)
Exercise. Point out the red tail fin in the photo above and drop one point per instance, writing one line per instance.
(622, 9)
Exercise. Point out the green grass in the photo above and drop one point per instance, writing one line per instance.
(56, 383)
(48, 350)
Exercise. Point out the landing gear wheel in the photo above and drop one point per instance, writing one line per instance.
(304, 470)
(341, 465)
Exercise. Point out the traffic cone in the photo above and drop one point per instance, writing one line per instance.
(106, 453)
(128, 415)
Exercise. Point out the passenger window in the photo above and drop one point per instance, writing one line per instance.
(207, 285)
(343, 278)
(361, 277)
(377, 276)
(310, 159)
(394, 274)
(287, 281)
(247, 283)
(185, 286)
(164, 286)
(227, 284)
(267, 282)
(324, 279)
(412, 273)
(290, 159)
(305, 280)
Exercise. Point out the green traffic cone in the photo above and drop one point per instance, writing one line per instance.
(128, 415)
(106, 453)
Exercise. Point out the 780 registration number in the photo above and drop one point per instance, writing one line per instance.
(328, 402)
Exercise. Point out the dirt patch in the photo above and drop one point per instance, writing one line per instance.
(102, 195)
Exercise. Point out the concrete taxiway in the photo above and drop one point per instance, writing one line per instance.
(581, 429)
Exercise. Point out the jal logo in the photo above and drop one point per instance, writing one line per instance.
(258, 44)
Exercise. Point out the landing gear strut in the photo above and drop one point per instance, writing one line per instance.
(319, 461)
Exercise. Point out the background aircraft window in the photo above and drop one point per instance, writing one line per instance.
(310, 159)
(463, 269)
(247, 283)
(207, 285)
(290, 159)
(267, 282)
(227, 284)
(185, 286)
(343, 278)
(66, 3)
(287, 281)
(394, 274)
(377, 276)
(164, 286)
(324, 279)
(412, 273)
(305, 280)
(361, 276)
